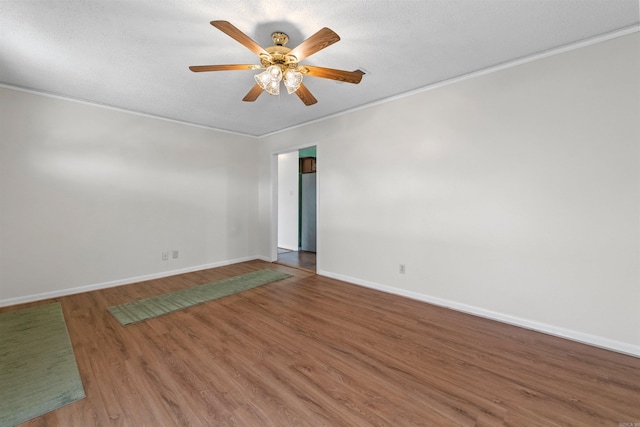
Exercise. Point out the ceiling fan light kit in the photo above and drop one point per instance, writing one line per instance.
(281, 64)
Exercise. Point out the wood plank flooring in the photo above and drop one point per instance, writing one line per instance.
(312, 351)
(300, 259)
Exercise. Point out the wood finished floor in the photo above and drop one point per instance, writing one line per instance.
(312, 351)
(300, 259)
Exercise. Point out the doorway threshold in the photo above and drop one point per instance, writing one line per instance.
(302, 260)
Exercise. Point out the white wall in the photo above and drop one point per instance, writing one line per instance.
(91, 196)
(513, 195)
(288, 205)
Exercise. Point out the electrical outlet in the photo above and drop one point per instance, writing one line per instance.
(175, 254)
(403, 269)
(165, 256)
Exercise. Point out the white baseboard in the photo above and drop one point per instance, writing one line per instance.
(593, 340)
(127, 281)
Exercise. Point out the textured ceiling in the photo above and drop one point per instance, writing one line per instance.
(134, 54)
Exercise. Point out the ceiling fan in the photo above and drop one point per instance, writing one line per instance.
(283, 64)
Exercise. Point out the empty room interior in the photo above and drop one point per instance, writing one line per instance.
(456, 186)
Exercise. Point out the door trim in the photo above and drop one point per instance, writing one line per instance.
(273, 232)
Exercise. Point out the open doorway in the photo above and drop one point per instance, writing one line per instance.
(297, 208)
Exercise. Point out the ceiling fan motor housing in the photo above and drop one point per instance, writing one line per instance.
(278, 53)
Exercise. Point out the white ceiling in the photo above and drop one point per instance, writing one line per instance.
(134, 54)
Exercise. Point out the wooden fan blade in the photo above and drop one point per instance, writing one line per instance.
(228, 28)
(306, 96)
(224, 67)
(323, 38)
(253, 94)
(333, 74)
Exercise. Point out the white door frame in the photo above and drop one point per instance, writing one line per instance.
(273, 238)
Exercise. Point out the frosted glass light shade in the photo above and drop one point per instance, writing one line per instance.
(292, 80)
(269, 79)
